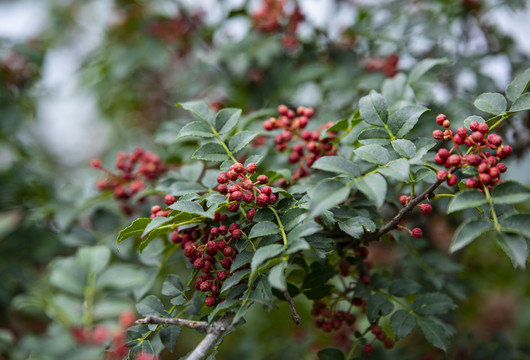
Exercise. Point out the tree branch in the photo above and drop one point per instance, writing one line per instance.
(392, 224)
(200, 325)
(214, 332)
(294, 314)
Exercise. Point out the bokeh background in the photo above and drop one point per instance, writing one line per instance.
(84, 79)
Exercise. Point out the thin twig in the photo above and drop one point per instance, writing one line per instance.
(392, 224)
(294, 314)
(201, 325)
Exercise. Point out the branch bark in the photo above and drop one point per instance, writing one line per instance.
(200, 325)
(214, 331)
(294, 314)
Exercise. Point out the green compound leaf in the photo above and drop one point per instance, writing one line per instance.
(403, 121)
(240, 140)
(374, 187)
(469, 231)
(522, 103)
(516, 224)
(264, 228)
(200, 109)
(491, 103)
(465, 200)
(434, 333)
(277, 276)
(404, 287)
(510, 192)
(226, 119)
(327, 195)
(330, 354)
(355, 226)
(337, 165)
(423, 67)
(150, 305)
(377, 306)
(433, 304)
(515, 246)
(373, 109)
(195, 129)
(375, 154)
(402, 323)
(396, 169)
(518, 86)
(169, 337)
(405, 148)
(211, 152)
(137, 227)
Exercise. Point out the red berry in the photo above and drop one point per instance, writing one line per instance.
(222, 275)
(233, 207)
(471, 183)
(210, 301)
(248, 197)
(226, 263)
(441, 175)
(473, 126)
(175, 238)
(494, 139)
(263, 179)
(222, 178)
(95, 163)
(221, 245)
(227, 251)
(438, 159)
(381, 336)
(458, 139)
(232, 175)
(494, 173)
(266, 190)
(222, 189)
(251, 168)
(250, 214)
(238, 168)
(472, 159)
(477, 137)
(169, 199)
(452, 180)
(484, 178)
(272, 199)
(248, 184)
(375, 329)
(446, 124)
(368, 348)
(236, 196)
(365, 280)
(127, 318)
(438, 134)
(462, 131)
(205, 286)
(440, 119)
(443, 153)
(453, 160)
(236, 234)
(262, 200)
(505, 152)
(294, 157)
(326, 326)
(223, 229)
(282, 109)
(357, 301)
(268, 125)
(417, 233)
(483, 128)
(404, 200)
(426, 209)
(155, 209)
(502, 167)
(309, 112)
(388, 343)
(307, 135)
(199, 263)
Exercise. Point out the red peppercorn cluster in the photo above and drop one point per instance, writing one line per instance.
(271, 17)
(488, 164)
(239, 188)
(209, 249)
(328, 319)
(387, 65)
(134, 170)
(309, 146)
(381, 336)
